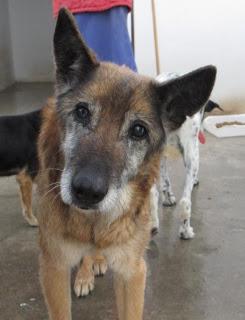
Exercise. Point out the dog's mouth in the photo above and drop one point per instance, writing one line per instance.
(84, 205)
(87, 200)
(112, 202)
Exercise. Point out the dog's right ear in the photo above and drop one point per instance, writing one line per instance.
(74, 60)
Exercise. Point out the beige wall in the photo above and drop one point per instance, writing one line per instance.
(32, 28)
(6, 71)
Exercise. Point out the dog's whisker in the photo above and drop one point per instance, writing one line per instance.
(56, 169)
(55, 198)
(54, 183)
(50, 190)
(49, 169)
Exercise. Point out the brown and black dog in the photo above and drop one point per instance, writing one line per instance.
(99, 152)
(18, 155)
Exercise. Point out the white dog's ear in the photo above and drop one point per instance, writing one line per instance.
(74, 60)
(184, 96)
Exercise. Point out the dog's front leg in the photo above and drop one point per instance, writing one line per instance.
(130, 289)
(55, 280)
(191, 160)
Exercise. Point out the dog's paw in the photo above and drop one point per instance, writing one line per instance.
(32, 221)
(186, 232)
(99, 267)
(184, 211)
(154, 231)
(84, 284)
(169, 199)
(196, 182)
(155, 225)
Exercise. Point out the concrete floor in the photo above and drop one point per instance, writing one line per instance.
(201, 279)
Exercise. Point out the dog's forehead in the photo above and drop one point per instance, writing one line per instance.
(114, 86)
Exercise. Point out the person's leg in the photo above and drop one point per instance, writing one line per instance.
(107, 34)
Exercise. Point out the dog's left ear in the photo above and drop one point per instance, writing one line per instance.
(74, 60)
(184, 96)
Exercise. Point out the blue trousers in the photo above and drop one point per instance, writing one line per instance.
(107, 34)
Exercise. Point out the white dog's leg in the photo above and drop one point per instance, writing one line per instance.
(154, 198)
(196, 160)
(191, 160)
(168, 196)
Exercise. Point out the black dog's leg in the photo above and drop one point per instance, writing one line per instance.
(25, 183)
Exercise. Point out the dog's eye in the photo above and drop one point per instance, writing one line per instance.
(138, 132)
(82, 113)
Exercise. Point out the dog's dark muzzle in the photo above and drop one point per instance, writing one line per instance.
(90, 185)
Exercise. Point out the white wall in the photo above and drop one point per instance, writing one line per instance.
(6, 72)
(32, 27)
(194, 33)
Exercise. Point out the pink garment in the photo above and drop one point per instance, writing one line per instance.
(76, 6)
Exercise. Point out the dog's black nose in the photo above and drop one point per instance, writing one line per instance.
(89, 186)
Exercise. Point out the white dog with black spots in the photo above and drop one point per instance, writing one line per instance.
(186, 139)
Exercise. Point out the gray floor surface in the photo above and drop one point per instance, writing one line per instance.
(200, 279)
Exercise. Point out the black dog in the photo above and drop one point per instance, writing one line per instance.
(18, 155)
